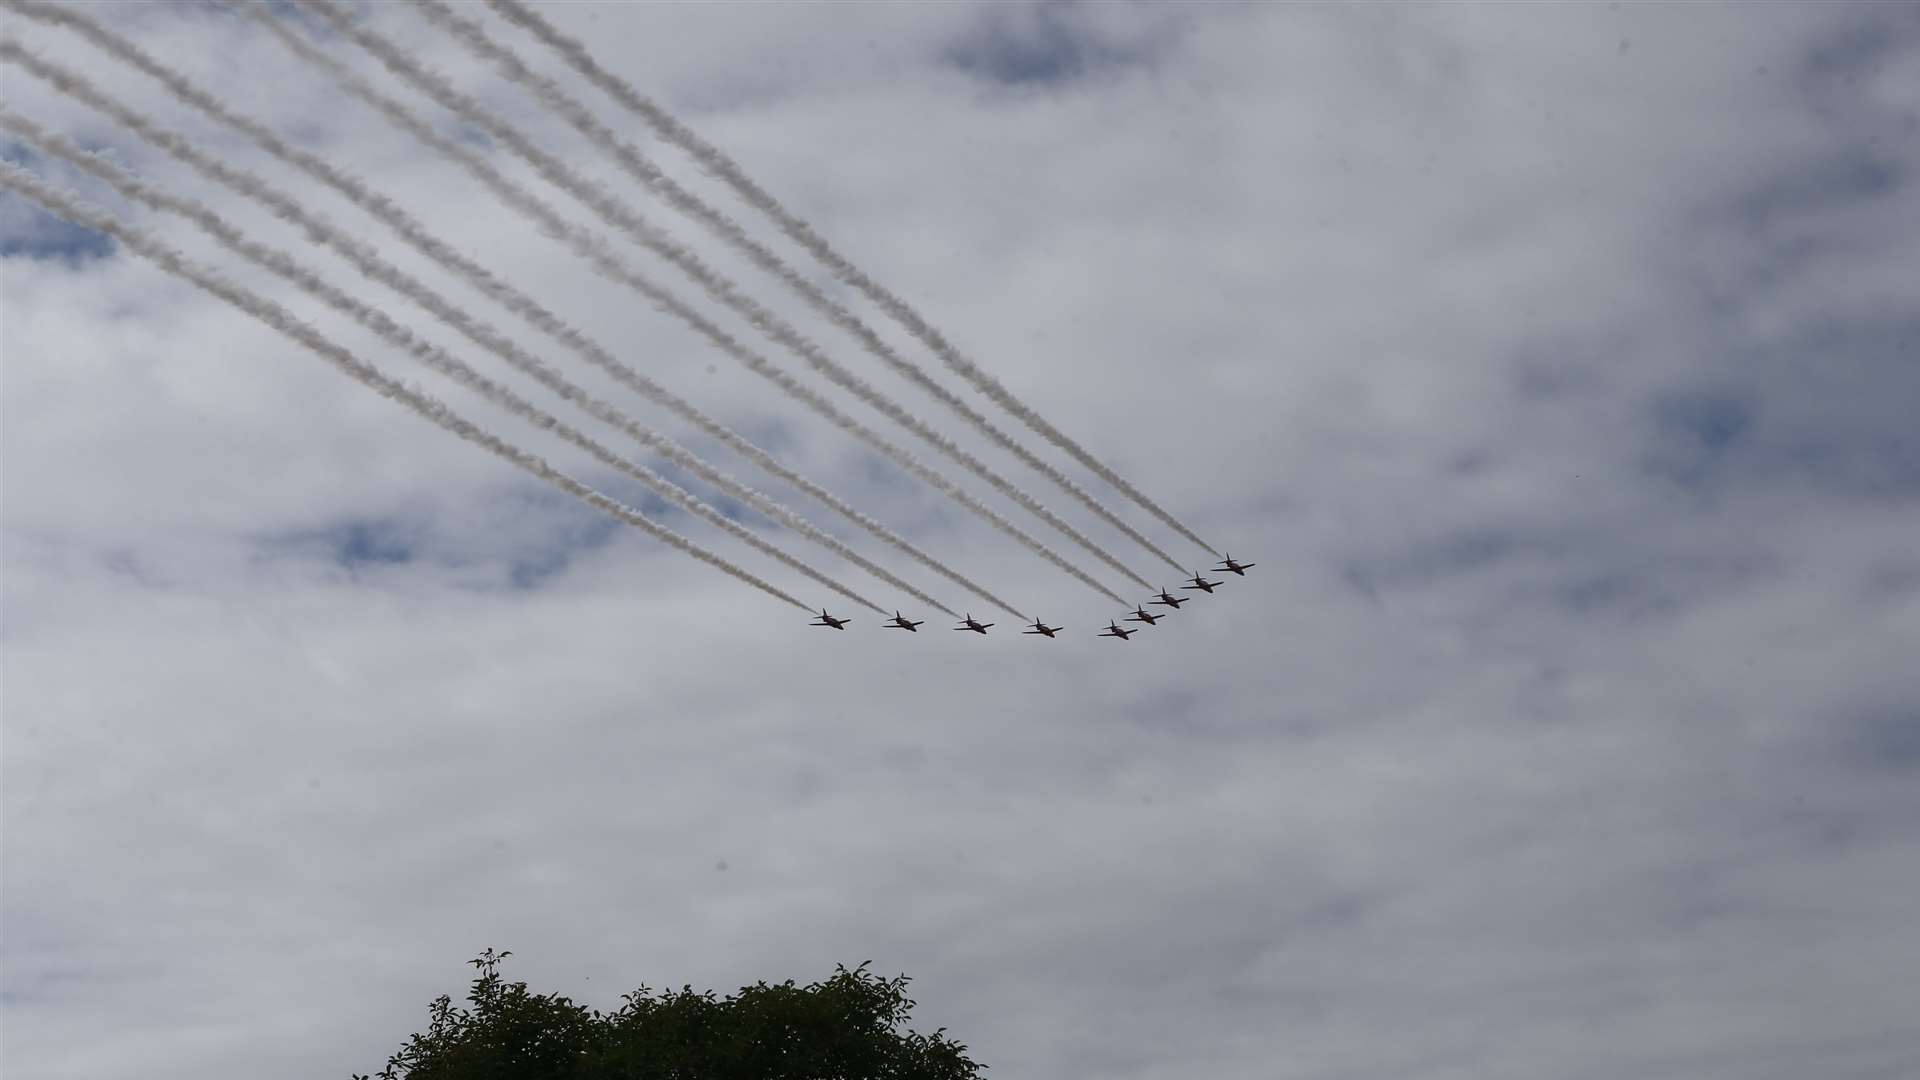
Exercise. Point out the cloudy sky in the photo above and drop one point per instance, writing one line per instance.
(1558, 366)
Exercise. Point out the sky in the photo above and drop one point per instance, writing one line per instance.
(1557, 366)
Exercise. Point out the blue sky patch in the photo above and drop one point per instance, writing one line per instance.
(354, 543)
(1851, 175)
(563, 529)
(1886, 737)
(520, 539)
(1709, 421)
(30, 232)
(1029, 46)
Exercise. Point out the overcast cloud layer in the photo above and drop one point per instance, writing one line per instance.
(1559, 367)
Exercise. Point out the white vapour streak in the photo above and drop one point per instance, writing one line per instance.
(718, 164)
(636, 164)
(549, 223)
(591, 247)
(410, 230)
(399, 281)
(423, 241)
(714, 284)
(433, 357)
(281, 319)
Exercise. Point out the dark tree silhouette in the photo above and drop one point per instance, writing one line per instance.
(847, 1027)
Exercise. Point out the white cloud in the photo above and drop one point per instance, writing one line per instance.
(1555, 366)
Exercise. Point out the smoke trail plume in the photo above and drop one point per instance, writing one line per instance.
(718, 164)
(282, 264)
(714, 284)
(407, 286)
(423, 241)
(591, 247)
(636, 164)
(417, 236)
(280, 319)
(550, 223)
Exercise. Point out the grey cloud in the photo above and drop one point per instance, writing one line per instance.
(1565, 729)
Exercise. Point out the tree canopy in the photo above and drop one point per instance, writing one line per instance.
(850, 1026)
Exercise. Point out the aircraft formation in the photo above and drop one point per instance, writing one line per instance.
(357, 50)
(1196, 583)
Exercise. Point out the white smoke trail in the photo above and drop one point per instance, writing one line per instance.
(414, 234)
(636, 164)
(407, 286)
(552, 225)
(714, 284)
(591, 247)
(286, 208)
(282, 264)
(280, 319)
(718, 164)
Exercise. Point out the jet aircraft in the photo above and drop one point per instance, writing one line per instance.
(901, 622)
(1042, 628)
(828, 620)
(1140, 615)
(1201, 584)
(1115, 631)
(1171, 601)
(973, 624)
(1240, 568)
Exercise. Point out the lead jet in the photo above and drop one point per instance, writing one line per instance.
(1171, 601)
(901, 622)
(1042, 628)
(1240, 568)
(1201, 584)
(973, 624)
(1115, 631)
(828, 620)
(1140, 615)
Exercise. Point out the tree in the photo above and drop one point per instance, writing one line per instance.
(847, 1027)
